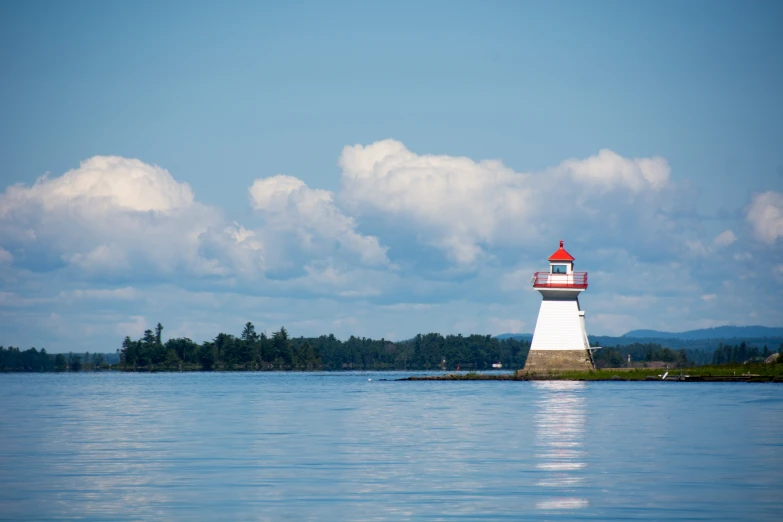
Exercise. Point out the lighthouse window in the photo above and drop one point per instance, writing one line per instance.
(559, 269)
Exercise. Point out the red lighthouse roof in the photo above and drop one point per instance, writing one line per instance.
(561, 254)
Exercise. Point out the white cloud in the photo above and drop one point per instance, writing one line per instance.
(708, 297)
(725, 238)
(698, 248)
(5, 256)
(609, 170)
(115, 216)
(451, 202)
(244, 236)
(100, 182)
(289, 205)
(765, 215)
(462, 206)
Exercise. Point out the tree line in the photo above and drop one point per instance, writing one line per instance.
(254, 351)
(431, 351)
(249, 351)
(727, 354)
(615, 357)
(12, 359)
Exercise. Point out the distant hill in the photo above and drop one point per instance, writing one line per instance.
(698, 344)
(719, 332)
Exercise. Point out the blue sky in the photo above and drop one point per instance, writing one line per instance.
(383, 170)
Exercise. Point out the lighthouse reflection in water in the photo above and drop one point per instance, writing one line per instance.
(559, 444)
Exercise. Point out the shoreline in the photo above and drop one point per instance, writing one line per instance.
(599, 375)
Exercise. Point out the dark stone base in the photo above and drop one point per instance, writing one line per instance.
(544, 362)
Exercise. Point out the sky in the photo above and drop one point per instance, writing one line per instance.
(385, 169)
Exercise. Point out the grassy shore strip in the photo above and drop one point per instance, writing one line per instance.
(734, 373)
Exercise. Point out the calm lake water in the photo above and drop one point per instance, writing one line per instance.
(335, 446)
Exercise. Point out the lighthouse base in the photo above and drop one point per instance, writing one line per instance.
(547, 362)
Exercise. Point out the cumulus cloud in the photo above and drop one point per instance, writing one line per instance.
(122, 219)
(454, 203)
(114, 215)
(290, 206)
(610, 170)
(103, 182)
(765, 215)
(461, 206)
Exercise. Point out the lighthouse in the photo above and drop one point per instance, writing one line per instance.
(560, 339)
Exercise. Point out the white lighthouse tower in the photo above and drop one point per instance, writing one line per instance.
(560, 339)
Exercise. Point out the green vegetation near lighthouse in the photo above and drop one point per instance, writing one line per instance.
(279, 351)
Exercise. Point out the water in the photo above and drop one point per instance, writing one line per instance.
(282, 446)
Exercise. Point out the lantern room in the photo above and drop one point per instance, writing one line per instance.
(561, 262)
(561, 272)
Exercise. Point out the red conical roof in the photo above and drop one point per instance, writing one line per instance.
(561, 254)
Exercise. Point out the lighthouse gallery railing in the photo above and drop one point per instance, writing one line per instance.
(548, 280)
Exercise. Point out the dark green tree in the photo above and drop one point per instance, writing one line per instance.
(172, 361)
(158, 332)
(185, 349)
(249, 333)
(281, 348)
(74, 362)
(206, 357)
(60, 362)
